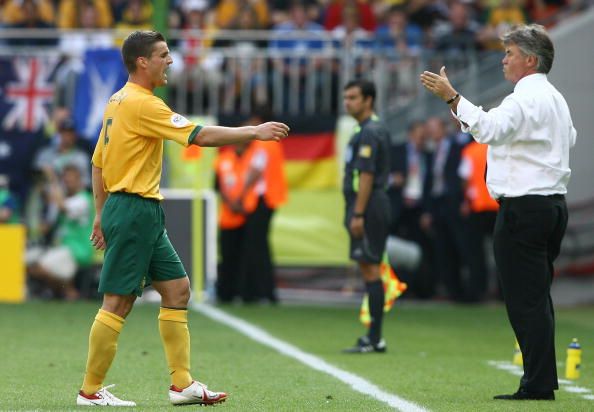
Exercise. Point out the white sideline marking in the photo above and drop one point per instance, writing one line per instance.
(568, 386)
(354, 381)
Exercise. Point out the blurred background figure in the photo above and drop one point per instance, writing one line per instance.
(30, 14)
(442, 212)
(76, 14)
(62, 150)
(136, 15)
(9, 208)
(500, 17)
(408, 182)
(251, 183)
(480, 210)
(70, 218)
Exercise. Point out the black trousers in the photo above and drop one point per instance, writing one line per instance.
(527, 239)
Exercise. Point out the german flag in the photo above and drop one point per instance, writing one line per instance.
(310, 153)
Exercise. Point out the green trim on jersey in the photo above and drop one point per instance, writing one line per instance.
(194, 133)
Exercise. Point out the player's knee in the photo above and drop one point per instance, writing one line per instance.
(120, 305)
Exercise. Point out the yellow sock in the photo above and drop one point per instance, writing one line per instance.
(173, 326)
(103, 343)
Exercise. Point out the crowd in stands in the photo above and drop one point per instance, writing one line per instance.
(412, 23)
(400, 31)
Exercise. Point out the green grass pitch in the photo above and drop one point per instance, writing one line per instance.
(437, 357)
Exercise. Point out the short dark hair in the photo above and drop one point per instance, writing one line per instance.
(139, 44)
(367, 88)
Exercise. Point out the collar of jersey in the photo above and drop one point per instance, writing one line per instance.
(138, 87)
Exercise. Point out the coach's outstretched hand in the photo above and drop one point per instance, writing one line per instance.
(271, 131)
(438, 84)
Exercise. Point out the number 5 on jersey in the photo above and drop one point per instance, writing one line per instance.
(106, 134)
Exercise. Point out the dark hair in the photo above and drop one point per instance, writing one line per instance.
(139, 44)
(533, 40)
(367, 88)
(414, 124)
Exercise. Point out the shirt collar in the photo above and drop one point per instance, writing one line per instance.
(138, 87)
(530, 81)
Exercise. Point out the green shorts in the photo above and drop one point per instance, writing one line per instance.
(138, 249)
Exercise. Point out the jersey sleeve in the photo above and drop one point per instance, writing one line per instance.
(97, 159)
(157, 120)
(366, 156)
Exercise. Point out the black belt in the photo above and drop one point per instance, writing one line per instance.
(502, 199)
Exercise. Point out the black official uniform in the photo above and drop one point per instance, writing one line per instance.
(368, 151)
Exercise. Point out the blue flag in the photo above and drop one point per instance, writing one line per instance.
(26, 92)
(104, 74)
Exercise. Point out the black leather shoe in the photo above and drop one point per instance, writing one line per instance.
(524, 395)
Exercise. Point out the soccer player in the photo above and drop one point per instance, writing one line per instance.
(367, 216)
(129, 220)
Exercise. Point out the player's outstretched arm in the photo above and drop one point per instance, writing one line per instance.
(221, 136)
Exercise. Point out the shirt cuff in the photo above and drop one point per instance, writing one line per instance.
(469, 114)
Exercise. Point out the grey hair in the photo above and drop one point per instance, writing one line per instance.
(532, 40)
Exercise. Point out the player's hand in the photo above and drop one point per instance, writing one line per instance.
(271, 131)
(357, 228)
(97, 238)
(438, 84)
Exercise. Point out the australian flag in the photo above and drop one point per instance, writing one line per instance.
(103, 75)
(26, 92)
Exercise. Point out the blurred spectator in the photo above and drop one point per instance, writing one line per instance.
(427, 13)
(480, 210)
(136, 16)
(292, 46)
(63, 151)
(349, 34)
(499, 20)
(244, 70)
(408, 181)
(443, 198)
(457, 39)
(228, 12)
(202, 66)
(9, 208)
(30, 18)
(400, 42)
(333, 15)
(239, 171)
(397, 36)
(272, 191)
(280, 10)
(545, 12)
(14, 11)
(88, 17)
(73, 13)
(72, 213)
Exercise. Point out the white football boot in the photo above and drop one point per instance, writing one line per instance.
(196, 393)
(102, 398)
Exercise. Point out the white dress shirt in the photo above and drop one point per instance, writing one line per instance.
(529, 136)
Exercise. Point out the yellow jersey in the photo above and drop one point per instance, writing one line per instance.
(130, 146)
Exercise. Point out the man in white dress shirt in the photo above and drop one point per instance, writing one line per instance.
(529, 136)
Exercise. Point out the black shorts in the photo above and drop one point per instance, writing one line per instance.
(370, 248)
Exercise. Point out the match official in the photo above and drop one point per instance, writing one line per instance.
(367, 214)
